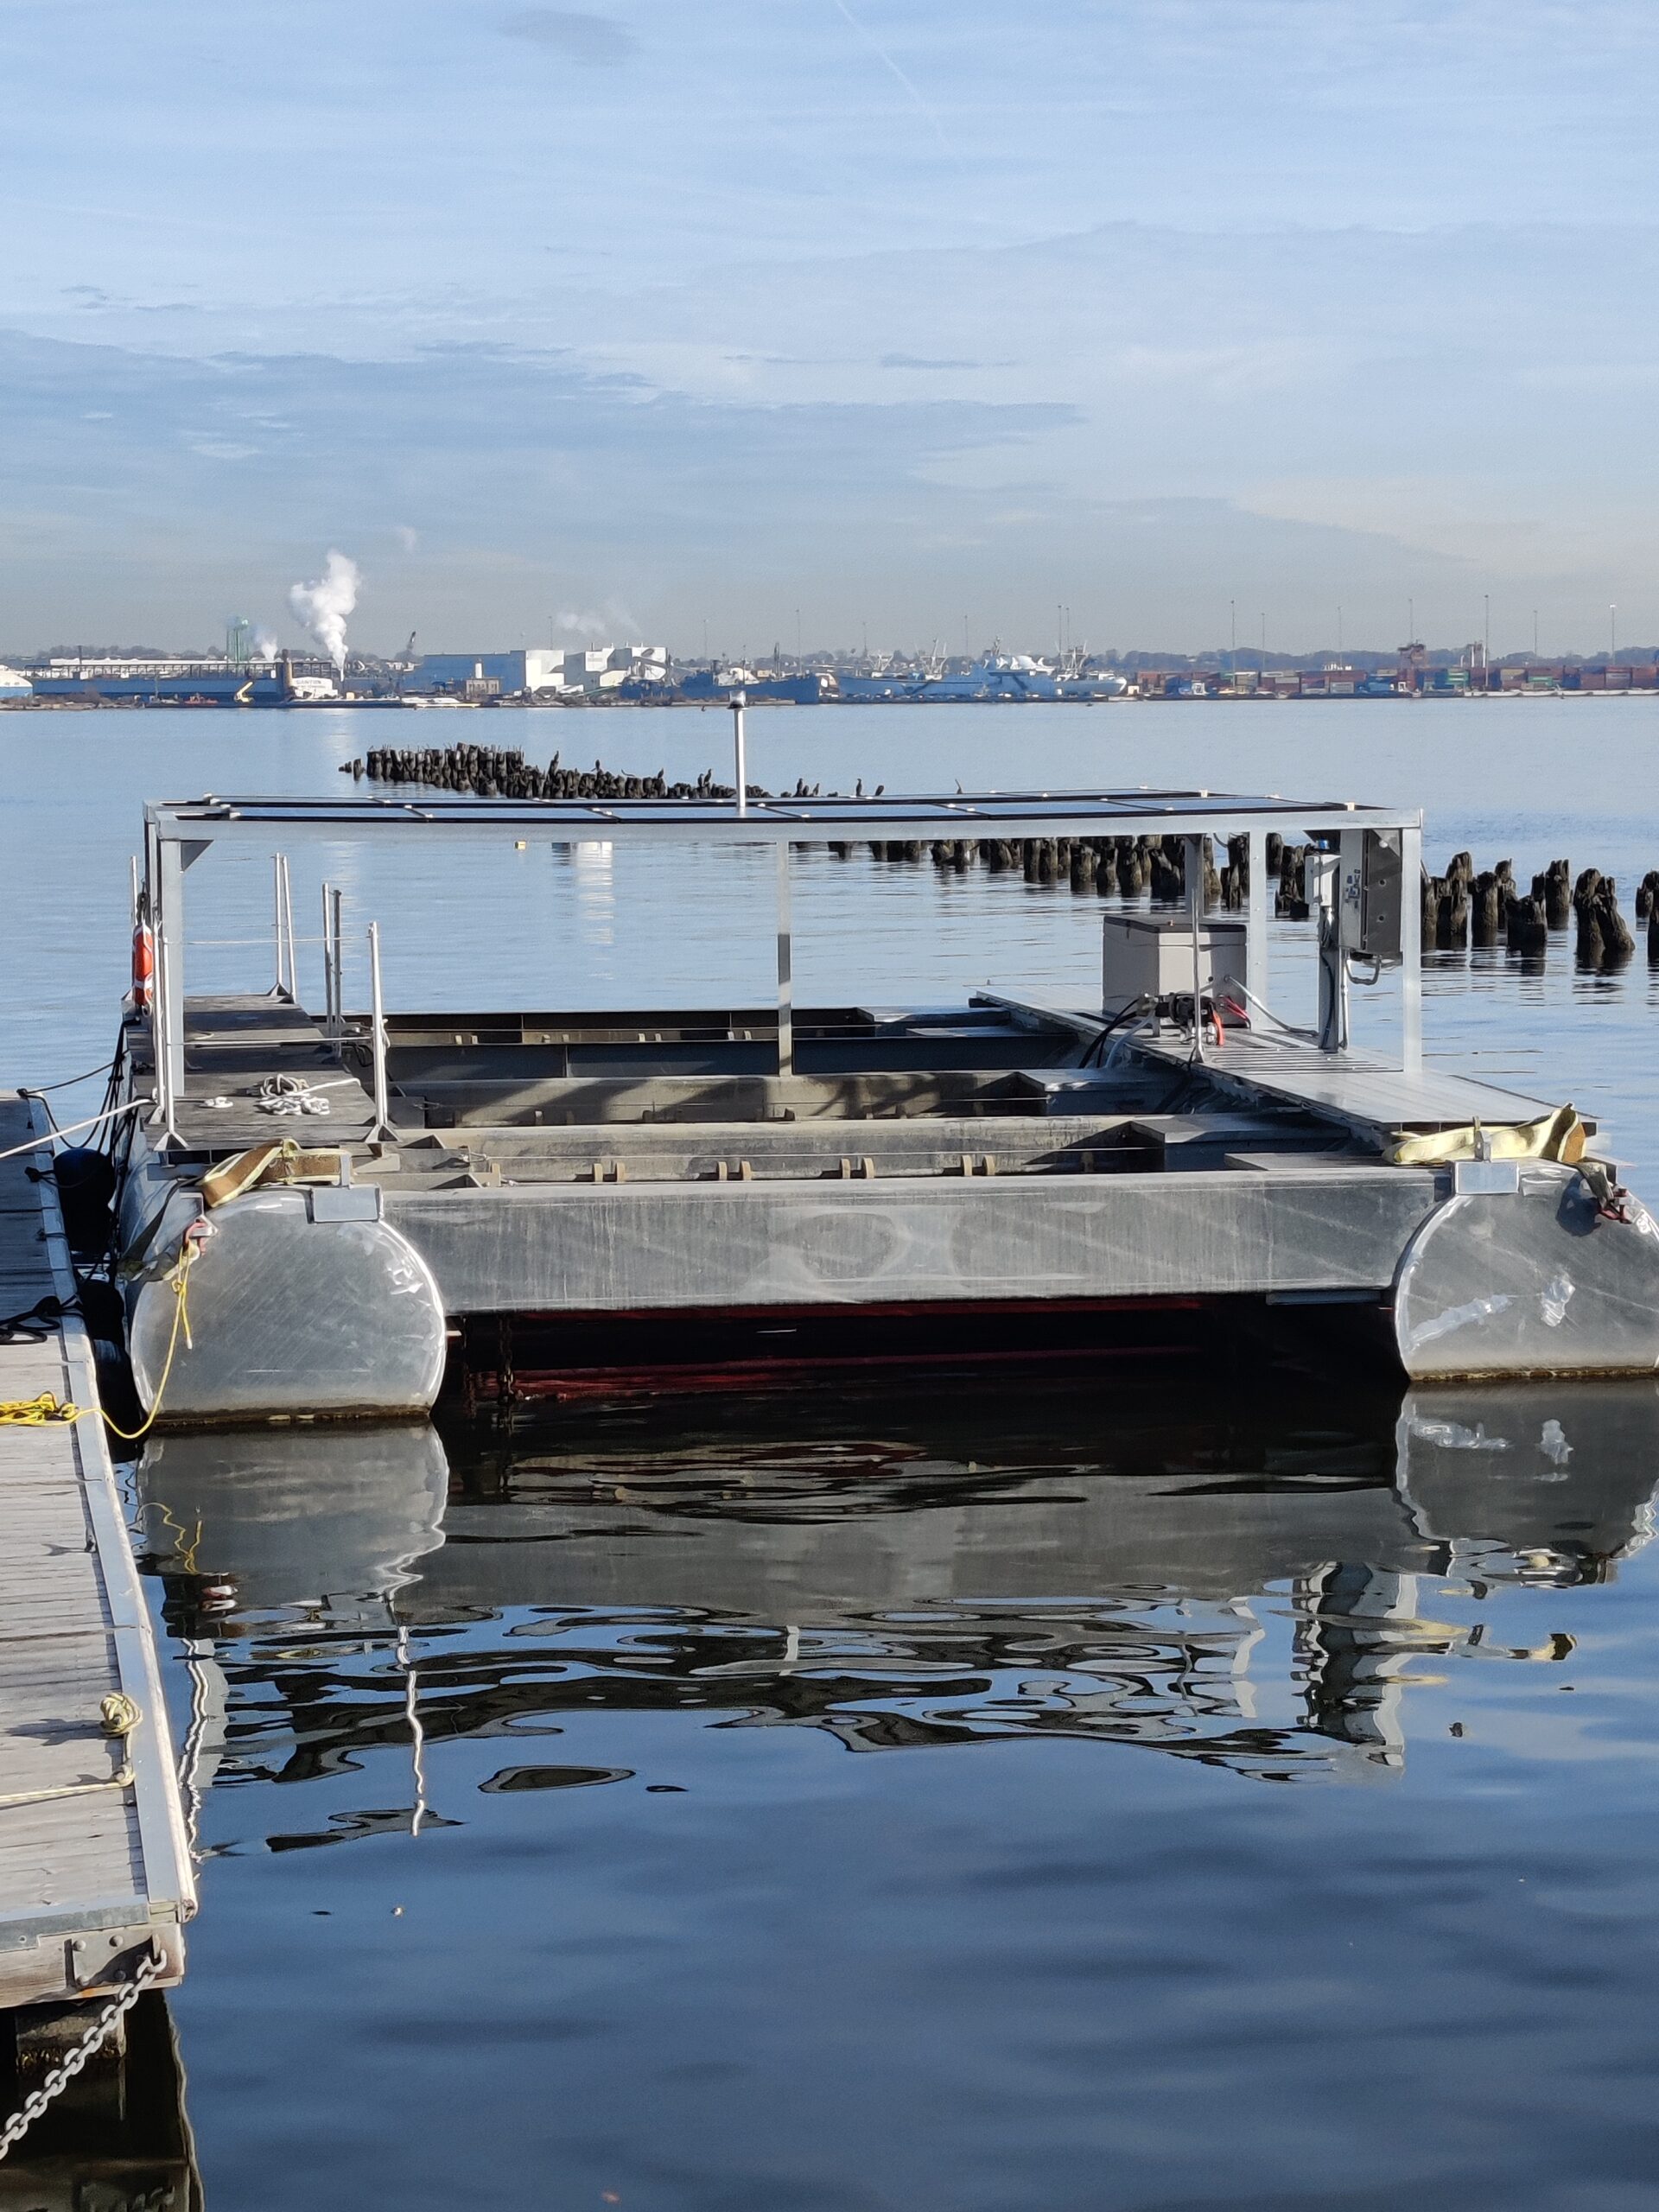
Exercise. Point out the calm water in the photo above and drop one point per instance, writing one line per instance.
(1204, 1790)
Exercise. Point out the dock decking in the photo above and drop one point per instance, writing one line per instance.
(88, 1882)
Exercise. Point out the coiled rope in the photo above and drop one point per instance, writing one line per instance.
(119, 1715)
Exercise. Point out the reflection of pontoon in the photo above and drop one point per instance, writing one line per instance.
(929, 1572)
(609, 1197)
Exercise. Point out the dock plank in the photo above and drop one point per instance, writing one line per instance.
(109, 1866)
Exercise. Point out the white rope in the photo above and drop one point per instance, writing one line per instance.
(36, 1144)
(292, 1094)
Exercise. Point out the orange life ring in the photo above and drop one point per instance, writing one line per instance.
(143, 967)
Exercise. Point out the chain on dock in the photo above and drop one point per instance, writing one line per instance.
(65, 2072)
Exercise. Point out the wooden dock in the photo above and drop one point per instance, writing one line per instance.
(92, 1880)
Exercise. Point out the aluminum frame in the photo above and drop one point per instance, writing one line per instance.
(178, 831)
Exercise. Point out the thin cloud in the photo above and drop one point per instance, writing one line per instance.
(592, 41)
(888, 61)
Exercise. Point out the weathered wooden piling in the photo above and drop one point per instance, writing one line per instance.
(1526, 927)
(1604, 937)
(1486, 910)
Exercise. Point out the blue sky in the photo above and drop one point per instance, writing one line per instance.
(894, 312)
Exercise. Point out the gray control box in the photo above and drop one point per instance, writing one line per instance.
(1372, 889)
(1150, 956)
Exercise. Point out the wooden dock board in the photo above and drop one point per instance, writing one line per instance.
(87, 1881)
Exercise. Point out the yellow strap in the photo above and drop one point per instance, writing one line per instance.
(1558, 1135)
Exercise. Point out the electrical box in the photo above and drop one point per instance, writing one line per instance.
(1150, 956)
(1371, 888)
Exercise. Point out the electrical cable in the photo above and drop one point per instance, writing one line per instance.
(69, 1082)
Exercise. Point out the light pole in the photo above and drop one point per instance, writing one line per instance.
(741, 764)
(1612, 635)
(1264, 641)
(1486, 630)
(1338, 633)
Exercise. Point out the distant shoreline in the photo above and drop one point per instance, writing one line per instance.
(754, 705)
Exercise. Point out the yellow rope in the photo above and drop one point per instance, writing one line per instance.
(46, 1409)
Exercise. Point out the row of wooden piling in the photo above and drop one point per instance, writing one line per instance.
(1108, 868)
(1462, 908)
(497, 772)
(1459, 908)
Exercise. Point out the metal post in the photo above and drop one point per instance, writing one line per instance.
(276, 915)
(288, 927)
(133, 888)
(1256, 916)
(168, 923)
(785, 981)
(378, 1028)
(1195, 916)
(327, 970)
(336, 898)
(738, 704)
(1411, 950)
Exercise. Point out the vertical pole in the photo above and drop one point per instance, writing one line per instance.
(786, 967)
(168, 925)
(1256, 916)
(327, 971)
(276, 915)
(287, 926)
(336, 898)
(1195, 918)
(1411, 949)
(739, 747)
(133, 888)
(377, 1016)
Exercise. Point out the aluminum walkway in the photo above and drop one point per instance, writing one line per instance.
(88, 1882)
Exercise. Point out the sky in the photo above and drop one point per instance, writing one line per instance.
(747, 320)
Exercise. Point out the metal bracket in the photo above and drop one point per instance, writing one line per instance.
(1485, 1179)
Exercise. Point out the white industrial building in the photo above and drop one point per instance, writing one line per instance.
(562, 670)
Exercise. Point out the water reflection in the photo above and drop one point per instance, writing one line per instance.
(1257, 1585)
(117, 2137)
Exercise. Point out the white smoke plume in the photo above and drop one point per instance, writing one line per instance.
(613, 620)
(264, 645)
(320, 608)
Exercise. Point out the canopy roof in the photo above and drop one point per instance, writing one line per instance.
(1140, 810)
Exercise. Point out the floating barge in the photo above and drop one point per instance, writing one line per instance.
(527, 1202)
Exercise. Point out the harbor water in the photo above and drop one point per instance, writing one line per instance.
(1206, 1787)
